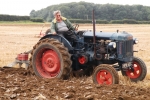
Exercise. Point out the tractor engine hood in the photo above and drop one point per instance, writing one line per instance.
(108, 36)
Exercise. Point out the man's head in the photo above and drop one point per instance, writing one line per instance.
(57, 14)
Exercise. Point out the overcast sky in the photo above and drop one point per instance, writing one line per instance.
(24, 7)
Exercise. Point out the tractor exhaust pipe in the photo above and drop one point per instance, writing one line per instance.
(93, 16)
(94, 38)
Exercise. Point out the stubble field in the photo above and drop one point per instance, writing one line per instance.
(19, 84)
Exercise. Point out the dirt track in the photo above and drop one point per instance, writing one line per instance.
(19, 84)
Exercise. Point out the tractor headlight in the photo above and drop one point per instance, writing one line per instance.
(135, 41)
(112, 45)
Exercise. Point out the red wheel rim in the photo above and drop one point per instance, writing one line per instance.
(137, 70)
(104, 77)
(82, 60)
(48, 63)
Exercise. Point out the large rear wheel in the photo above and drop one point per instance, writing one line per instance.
(105, 74)
(138, 72)
(50, 59)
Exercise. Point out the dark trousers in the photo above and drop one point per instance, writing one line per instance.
(70, 36)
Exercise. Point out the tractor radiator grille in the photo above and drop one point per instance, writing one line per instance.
(125, 49)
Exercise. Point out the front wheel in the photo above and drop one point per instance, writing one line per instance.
(138, 72)
(105, 74)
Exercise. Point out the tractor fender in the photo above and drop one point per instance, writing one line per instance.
(60, 39)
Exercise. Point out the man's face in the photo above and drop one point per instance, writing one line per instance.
(58, 16)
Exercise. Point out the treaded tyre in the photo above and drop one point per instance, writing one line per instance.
(139, 70)
(105, 74)
(50, 59)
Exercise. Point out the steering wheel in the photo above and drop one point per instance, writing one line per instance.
(76, 26)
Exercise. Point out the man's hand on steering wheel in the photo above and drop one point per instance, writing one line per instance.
(76, 26)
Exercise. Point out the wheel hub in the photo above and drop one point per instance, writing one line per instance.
(50, 62)
(135, 72)
(104, 77)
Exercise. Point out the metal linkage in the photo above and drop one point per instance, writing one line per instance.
(21, 58)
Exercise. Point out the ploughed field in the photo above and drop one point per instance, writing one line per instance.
(21, 84)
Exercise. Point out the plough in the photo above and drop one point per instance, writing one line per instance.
(21, 58)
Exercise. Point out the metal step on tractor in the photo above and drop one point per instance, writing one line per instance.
(97, 54)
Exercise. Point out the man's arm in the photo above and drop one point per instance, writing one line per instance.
(70, 26)
(53, 31)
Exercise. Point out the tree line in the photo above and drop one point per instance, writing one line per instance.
(83, 10)
(19, 18)
(13, 18)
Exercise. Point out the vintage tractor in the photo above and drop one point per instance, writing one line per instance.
(98, 54)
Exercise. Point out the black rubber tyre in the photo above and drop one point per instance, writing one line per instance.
(50, 59)
(139, 72)
(105, 74)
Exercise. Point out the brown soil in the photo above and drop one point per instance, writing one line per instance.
(20, 84)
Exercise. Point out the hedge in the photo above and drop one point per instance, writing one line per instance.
(37, 20)
(88, 21)
(13, 18)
